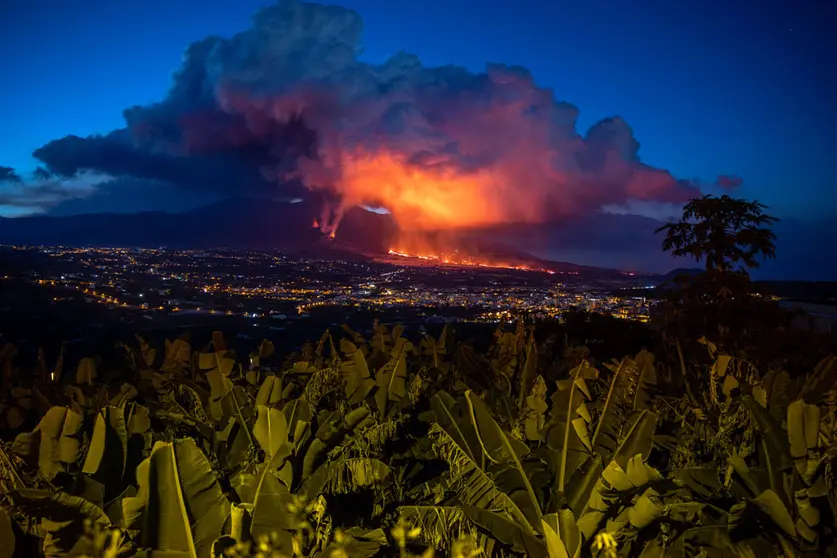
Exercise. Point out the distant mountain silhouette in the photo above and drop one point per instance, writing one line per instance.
(679, 272)
(241, 223)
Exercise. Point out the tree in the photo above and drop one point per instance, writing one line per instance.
(724, 231)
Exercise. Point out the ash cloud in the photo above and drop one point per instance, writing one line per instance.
(43, 190)
(288, 102)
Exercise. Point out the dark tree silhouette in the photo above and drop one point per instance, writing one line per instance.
(723, 231)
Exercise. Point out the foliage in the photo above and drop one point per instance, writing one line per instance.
(722, 231)
(392, 448)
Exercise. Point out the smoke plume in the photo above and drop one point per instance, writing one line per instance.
(287, 103)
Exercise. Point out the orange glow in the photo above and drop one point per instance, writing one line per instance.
(316, 224)
(457, 259)
(428, 197)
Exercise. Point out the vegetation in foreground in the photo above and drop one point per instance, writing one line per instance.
(399, 447)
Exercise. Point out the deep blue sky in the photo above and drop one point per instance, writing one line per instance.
(745, 87)
(710, 87)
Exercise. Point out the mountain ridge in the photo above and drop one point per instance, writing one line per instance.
(242, 222)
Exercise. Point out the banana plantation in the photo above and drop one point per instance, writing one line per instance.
(388, 445)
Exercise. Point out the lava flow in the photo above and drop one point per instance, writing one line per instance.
(455, 260)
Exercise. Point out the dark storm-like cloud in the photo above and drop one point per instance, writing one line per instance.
(120, 154)
(289, 100)
(8, 174)
(43, 190)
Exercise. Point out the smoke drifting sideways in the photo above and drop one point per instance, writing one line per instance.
(289, 102)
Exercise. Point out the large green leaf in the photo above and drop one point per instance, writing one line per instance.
(605, 438)
(435, 349)
(270, 430)
(62, 516)
(521, 539)
(179, 506)
(500, 450)
(534, 409)
(563, 539)
(582, 483)
(108, 451)
(270, 392)
(391, 379)
(566, 432)
(332, 432)
(454, 417)
(355, 373)
(773, 448)
(298, 413)
(528, 372)
(638, 438)
(474, 486)
(615, 481)
(702, 481)
(272, 498)
(57, 439)
(238, 416)
(769, 502)
(645, 381)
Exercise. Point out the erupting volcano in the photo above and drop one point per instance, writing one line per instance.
(286, 109)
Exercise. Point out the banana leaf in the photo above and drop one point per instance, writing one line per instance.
(270, 392)
(509, 532)
(62, 516)
(332, 432)
(355, 373)
(391, 379)
(563, 539)
(613, 486)
(108, 451)
(773, 449)
(270, 429)
(605, 439)
(472, 485)
(271, 514)
(502, 451)
(56, 441)
(566, 433)
(179, 506)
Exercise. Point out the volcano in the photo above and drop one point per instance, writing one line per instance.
(288, 226)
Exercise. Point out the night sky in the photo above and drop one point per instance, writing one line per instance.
(712, 91)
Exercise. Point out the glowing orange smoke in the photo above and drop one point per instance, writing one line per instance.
(431, 196)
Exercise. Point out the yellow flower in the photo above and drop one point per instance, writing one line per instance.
(605, 543)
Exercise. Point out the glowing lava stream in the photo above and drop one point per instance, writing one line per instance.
(470, 263)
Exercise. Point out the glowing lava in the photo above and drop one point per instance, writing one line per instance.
(457, 260)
